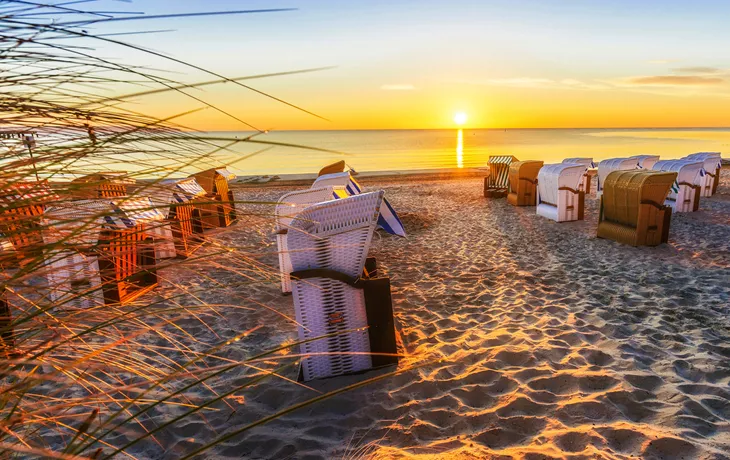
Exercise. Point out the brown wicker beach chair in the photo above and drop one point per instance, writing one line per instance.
(523, 183)
(184, 216)
(632, 207)
(337, 167)
(108, 184)
(496, 184)
(21, 208)
(220, 209)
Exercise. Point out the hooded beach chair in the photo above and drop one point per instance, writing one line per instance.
(523, 182)
(21, 208)
(177, 199)
(496, 184)
(388, 220)
(559, 196)
(585, 184)
(605, 167)
(712, 166)
(336, 167)
(632, 207)
(221, 211)
(286, 209)
(141, 210)
(123, 251)
(108, 184)
(645, 161)
(684, 196)
(328, 245)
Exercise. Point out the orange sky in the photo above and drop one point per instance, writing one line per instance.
(413, 64)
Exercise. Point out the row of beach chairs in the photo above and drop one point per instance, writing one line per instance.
(638, 194)
(100, 239)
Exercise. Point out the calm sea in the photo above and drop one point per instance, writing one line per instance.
(394, 150)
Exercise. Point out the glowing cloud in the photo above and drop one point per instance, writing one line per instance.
(676, 80)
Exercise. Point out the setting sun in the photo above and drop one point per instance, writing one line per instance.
(460, 118)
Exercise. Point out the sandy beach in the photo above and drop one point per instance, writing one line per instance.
(541, 340)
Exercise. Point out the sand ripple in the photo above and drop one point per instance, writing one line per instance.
(552, 343)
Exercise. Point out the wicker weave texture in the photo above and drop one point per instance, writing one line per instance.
(523, 182)
(334, 235)
(340, 179)
(632, 210)
(289, 206)
(558, 191)
(605, 167)
(712, 166)
(645, 161)
(686, 190)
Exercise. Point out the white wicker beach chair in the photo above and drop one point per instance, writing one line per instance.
(286, 209)
(72, 271)
(341, 179)
(328, 245)
(585, 183)
(645, 161)
(684, 196)
(712, 166)
(613, 164)
(558, 192)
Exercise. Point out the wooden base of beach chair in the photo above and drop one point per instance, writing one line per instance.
(127, 265)
(379, 311)
(490, 192)
(187, 229)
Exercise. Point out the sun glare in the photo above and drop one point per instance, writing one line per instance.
(460, 118)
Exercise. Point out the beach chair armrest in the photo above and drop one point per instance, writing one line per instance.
(326, 273)
(694, 186)
(653, 203)
(571, 190)
(532, 181)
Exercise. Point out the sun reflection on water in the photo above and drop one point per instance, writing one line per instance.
(460, 149)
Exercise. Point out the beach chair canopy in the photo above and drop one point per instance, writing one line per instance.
(688, 171)
(287, 208)
(75, 223)
(558, 191)
(645, 161)
(605, 167)
(712, 166)
(632, 207)
(585, 161)
(19, 194)
(336, 167)
(114, 177)
(388, 221)
(329, 243)
(206, 179)
(684, 196)
(553, 177)
(712, 161)
(341, 179)
(499, 170)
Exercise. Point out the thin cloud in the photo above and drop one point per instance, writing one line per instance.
(398, 87)
(676, 80)
(530, 82)
(662, 61)
(698, 70)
